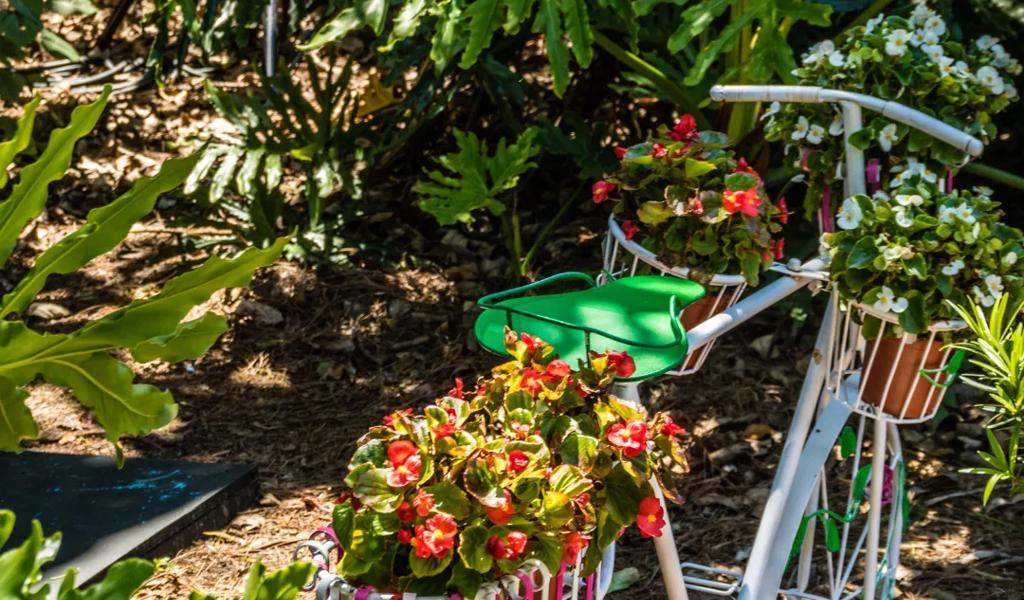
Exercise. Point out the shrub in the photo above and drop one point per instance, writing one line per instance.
(539, 461)
(149, 328)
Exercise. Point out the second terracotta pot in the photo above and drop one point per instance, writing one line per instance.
(920, 399)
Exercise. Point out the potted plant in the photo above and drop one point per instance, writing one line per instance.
(897, 259)
(915, 60)
(537, 462)
(684, 195)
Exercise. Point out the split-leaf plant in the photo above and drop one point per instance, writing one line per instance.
(285, 150)
(21, 573)
(149, 328)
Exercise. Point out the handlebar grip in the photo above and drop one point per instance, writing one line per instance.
(765, 93)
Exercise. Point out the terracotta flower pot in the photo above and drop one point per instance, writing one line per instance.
(698, 312)
(883, 357)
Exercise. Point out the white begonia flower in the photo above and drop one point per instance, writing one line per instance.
(815, 134)
(947, 214)
(887, 301)
(994, 285)
(927, 174)
(983, 298)
(917, 38)
(934, 24)
(892, 253)
(1011, 91)
(1010, 259)
(985, 42)
(836, 126)
(836, 59)
(989, 77)
(953, 268)
(946, 66)
(902, 218)
(896, 42)
(880, 196)
(801, 128)
(965, 213)
(982, 190)
(873, 23)
(773, 109)
(921, 14)
(887, 137)
(819, 52)
(1014, 68)
(910, 199)
(849, 215)
(935, 52)
(975, 232)
(999, 56)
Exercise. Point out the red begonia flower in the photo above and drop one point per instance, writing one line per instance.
(777, 248)
(436, 537)
(670, 428)
(456, 392)
(650, 518)
(620, 152)
(518, 461)
(390, 419)
(658, 151)
(742, 201)
(574, 543)
(630, 437)
(423, 503)
(558, 368)
(622, 363)
(405, 512)
(404, 536)
(501, 514)
(404, 457)
(629, 229)
(783, 211)
(600, 190)
(510, 547)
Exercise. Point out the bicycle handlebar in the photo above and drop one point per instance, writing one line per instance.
(812, 95)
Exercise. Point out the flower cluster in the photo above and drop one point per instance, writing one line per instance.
(694, 203)
(537, 462)
(904, 253)
(913, 60)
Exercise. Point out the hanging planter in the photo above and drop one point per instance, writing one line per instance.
(684, 206)
(900, 264)
(499, 490)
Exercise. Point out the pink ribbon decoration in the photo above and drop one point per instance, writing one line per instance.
(363, 593)
(559, 579)
(873, 176)
(329, 532)
(590, 587)
(527, 585)
(949, 180)
(826, 209)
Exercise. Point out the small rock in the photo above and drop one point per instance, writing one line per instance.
(46, 311)
(264, 314)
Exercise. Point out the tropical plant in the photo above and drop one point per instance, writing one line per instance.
(473, 180)
(538, 461)
(912, 254)
(916, 61)
(21, 569)
(284, 151)
(149, 328)
(996, 348)
(694, 204)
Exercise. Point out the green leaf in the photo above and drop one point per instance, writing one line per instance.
(72, 7)
(556, 510)
(106, 386)
(569, 480)
(696, 168)
(579, 450)
(482, 482)
(448, 498)
(372, 489)
(577, 23)
(121, 581)
(20, 140)
(284, 584)
(19, 567)
(58, 46)
(473, 548)
(847, 442)
(16, 422)
(343, 23)
(694, 21)
(815, 13)
(342, 521)
(484, 19)
(189, 341)
(864, 252)
(721, 44)
(624, 579)
(104, 229)
(465, 581)
(913, 319)
(477, 179)
(428, 567)
(28, 197)
(549, 23)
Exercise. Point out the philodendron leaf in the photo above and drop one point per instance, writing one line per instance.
(485, 18)
(549, 22)
(188, 342)
(105, 385)
(16, 422)
(104, 229)
(28, 197)
(20, 140)
(285, 584)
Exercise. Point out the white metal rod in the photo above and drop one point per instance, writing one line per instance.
(875, 510)
(753, 304)
(785, 473)
(668, 554)
(854, 181)
(811, 94)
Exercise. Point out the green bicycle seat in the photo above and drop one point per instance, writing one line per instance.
(638, 315)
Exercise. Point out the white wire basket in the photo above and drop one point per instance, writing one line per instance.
(622, 258)
(896, 376)
(531, 581)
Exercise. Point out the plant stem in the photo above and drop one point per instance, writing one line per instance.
(994, 174)
(866, 15)
(549, 227)
(671, 90)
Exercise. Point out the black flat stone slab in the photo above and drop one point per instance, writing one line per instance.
(149, 508)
